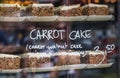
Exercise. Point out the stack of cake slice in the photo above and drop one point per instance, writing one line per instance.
(35, 60)
(93, 57)
(95, 9)
(9, 61)
(65, 58)
(10, 9)
(41, 10)
(72, 10)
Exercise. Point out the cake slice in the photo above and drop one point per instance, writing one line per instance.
(10, 9)
(72, 10)
(35, 60)
(95, 9)
(41, 10)
(93, 57)
(8, 61)
(64, 58)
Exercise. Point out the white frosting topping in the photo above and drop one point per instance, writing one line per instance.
(94, 5)
(37, 55)
(95, 52)
(70, 7)
(10, 5)
(8, 55)
(66, 53)
(41, 5)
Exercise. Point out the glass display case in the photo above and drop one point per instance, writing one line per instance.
(59, 39)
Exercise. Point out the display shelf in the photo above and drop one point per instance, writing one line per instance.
(87, 18)
(41, 19)
(89, 66)
(68, 67)
(57, 18)
(11, 71)
(59, 68)
(12, 19)
(72, 18)
(100, 18)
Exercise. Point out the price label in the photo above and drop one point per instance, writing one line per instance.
(110, 48)
(96, 48)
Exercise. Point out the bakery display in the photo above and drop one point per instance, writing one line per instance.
(64, 58)
(10, 10)
(48, 13)
(95, 9)
(93, 57)
(41, 10)
(9, 61)
(36, 60)
(72, 10)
